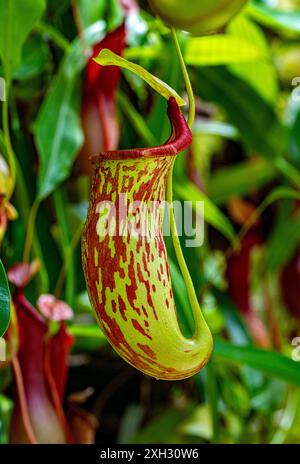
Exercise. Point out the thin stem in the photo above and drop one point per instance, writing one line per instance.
(212, 396)
(187, 82)
(30, 230)
(65, 244)
(68, 255)
(22, 202)
(80, 27)
(198, 317)
(9, 148)
(23, 206)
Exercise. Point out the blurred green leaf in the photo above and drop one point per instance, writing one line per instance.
(16, 21)
(260, 74)
(288, 170)
(273, 17)
(130, 423)
(4, 301)
(240, 179)
(6, 408)
(88, 337)
(35, 58)
(222, 129)
(284, 240)
(169, 72)
(168, 422)
(199, 424)
(212, 215)
(86, 331)
(58, 132)
(237, 331)
(91, 11)
(221, 49)
(271, 363)
(295, 139)
(185, 315)
(259, 127)
(137, 120)
(281, 193)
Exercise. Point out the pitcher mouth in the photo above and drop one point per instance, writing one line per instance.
(181, 138)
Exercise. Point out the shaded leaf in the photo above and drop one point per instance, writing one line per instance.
(242, 179)
(260, 74)
(275, 18)
(271, 363)
(17, 20)
(4, 301)
(212, 214)
(58, 131)
(262, 135)
(221, 49)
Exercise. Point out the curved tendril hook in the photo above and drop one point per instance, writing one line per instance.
(125, 260)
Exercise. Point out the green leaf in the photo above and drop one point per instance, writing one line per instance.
(295, 139)
(88, 337)
(4, 301)
(6, 409)
(221, 49)
(219, 128)
(35, 58)
(260, 74)
(58, 132)
(240, 179)
(212, 214)
(275, 18)
(17, 20)
(264, 135)
(288, 170)
(91, 11)
(86, 331)
(271, 363)
(170, 72)
(164, 428)
(279, 251)
(281, 193)
(184, 312)
(136, 119)
(108, 58)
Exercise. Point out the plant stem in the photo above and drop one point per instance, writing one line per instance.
(186, 78)
(30, 230)
(212, 396)
(9, 148)
(65, 244)
(198, 317)
(68, 255)
(23, 206)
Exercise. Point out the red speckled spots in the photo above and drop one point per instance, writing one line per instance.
(122, 308)
(147, 350)
(140, 329)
